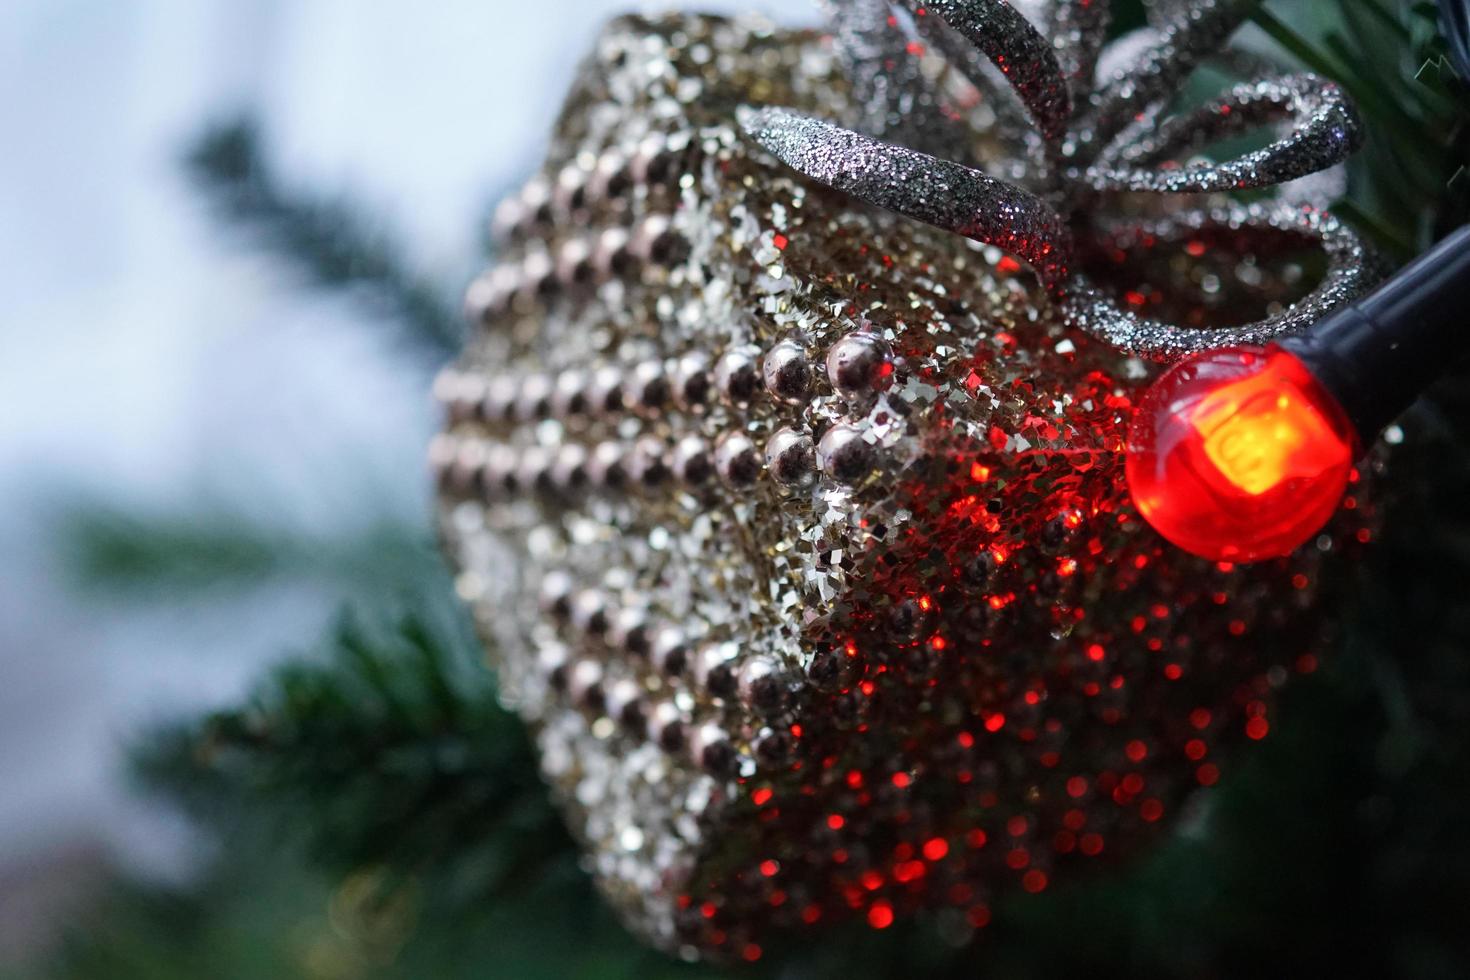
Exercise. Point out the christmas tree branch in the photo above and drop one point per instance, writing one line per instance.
(1375, 226)
(326, 238)
(388, 752)
(1416, 121)
(1370, 99)
(115, 551)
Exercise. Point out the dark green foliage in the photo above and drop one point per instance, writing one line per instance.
(388, 749)
(256, 917)
(385, 764)
(1410, 183)
(325, 237)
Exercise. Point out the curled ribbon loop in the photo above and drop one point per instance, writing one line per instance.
(1281, 224)
(1324, 130)
(937, 192)
(1095, 140)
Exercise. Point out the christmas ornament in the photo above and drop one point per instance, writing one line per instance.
(1239, 454)
(798, 528)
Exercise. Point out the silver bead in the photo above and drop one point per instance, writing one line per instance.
(629, 630)
(736, 375)
(714, 669)
(605, 394)
(656, 241)
(502, 471)
(648, 389)
(666, 726)
(534, 469)
(641, 162)
(552, 660)
(845, 455)
(569, 467)
(569, 195)
(499, 402)
(660, 157)
(711, 750)
(584, 684)
(536, 200)
(489, 295)
(763, 686)
(610, 177)
(790, 457)
(692, 381)
(470, 399)
(691, 461)
(610, 255)
(624, 704)
(859, 364)
(574, 265)
(555, 597)
(668, 651)
(569, 394)
(736, 460)
(538, 276)
(606, 467)
(646, 463)
(787, 373)
(511, 215)
(459, 394)
(533, 400)
(467, 471)
(589, 611)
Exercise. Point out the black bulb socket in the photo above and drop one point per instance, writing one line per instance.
(1377, 355)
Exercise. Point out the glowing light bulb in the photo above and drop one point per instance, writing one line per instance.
(1239, 454)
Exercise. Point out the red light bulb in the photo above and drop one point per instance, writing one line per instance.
(1239, 454)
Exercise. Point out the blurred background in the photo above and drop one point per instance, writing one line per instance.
(232, 238)
(165, 383)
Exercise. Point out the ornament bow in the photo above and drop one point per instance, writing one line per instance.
(1082, 124)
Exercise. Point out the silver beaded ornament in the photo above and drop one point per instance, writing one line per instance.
(796, 527)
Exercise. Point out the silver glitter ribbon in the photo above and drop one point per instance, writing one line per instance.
(895, 100)
(1092, 139)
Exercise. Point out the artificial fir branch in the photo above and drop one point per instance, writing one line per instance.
(111, 550)
(388, 751)
(1405, 188)
(325, 237)
(388, 761)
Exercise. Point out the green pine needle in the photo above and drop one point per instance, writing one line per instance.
(386, 750)
(326, 238)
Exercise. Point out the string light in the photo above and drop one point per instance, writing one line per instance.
(1239, 454)
(1243, 453)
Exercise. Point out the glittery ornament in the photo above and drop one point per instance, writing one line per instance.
(797, 528)
(1095, 138)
